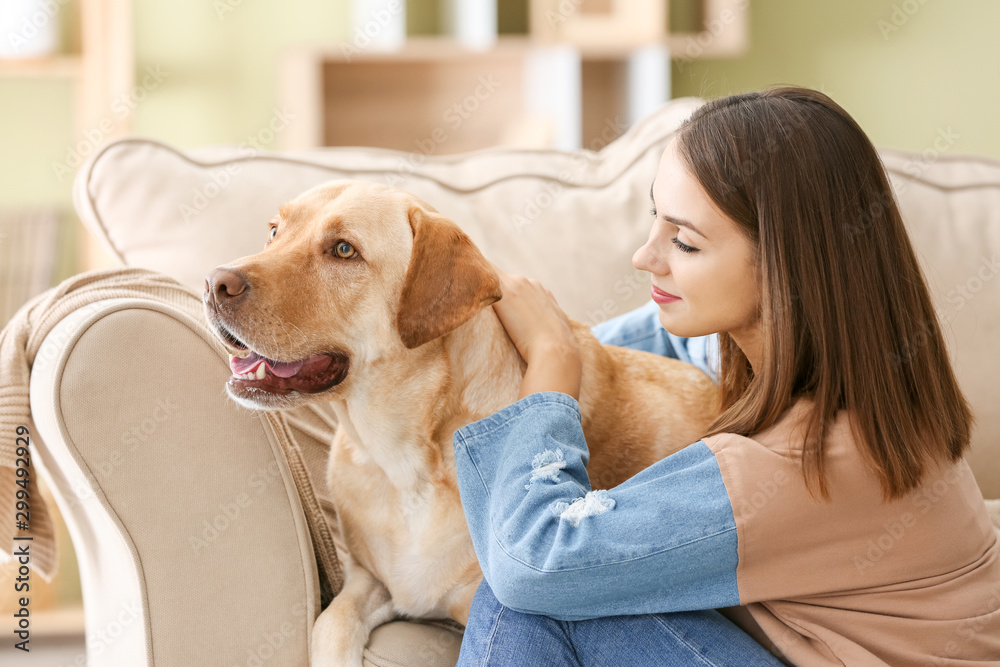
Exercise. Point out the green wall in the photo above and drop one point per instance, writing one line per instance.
(220, 60)
(939, 68)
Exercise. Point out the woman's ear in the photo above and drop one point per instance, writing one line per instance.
(447, 281)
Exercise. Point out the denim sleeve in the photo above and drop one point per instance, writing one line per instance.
(663, 540)
(640, 329)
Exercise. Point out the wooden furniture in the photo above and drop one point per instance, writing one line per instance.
(607, 24)
(432, 96)
(577, 79)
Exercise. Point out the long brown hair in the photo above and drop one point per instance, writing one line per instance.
(846, 317)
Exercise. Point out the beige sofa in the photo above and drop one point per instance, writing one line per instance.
(189, 530)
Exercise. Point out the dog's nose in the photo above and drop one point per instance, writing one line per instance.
(223, 284)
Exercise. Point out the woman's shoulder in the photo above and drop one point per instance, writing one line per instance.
(786, 438)
(747, 461)
(776, 453)
(787, 435)
(781, 524)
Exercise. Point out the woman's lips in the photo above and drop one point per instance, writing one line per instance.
(659, 296)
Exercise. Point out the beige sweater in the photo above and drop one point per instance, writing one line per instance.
(857, 581)
(19, 344)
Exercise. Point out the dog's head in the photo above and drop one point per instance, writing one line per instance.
(352, 274)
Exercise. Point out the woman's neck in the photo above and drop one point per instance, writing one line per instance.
(751, 344)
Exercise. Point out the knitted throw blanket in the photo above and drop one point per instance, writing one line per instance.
(20, 341)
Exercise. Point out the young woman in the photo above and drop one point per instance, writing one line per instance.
(828, 516)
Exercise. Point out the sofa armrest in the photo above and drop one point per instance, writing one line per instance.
(191, 539)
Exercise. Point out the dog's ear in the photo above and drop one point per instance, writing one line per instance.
(447, 281)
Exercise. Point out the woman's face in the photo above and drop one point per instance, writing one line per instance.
(698, 256)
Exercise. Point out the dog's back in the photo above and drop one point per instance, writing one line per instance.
(638, 408)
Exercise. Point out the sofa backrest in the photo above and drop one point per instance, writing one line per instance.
(571, 220)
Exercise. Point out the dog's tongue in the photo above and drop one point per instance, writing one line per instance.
(283, 369)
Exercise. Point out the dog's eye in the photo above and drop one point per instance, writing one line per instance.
(274, 230)
(344, 250)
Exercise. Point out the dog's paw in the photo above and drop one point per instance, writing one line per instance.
(331, 646)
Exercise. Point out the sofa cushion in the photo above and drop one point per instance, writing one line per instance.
(951, 205)
(408, 644)
(571, 220)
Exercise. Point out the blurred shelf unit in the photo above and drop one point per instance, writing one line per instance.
(581, 74)
(97, 59)
(431, 96)
(55, 67)
(101, 65)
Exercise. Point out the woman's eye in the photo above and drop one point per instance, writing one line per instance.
(344, 250)
(683, 247)
(652, 211)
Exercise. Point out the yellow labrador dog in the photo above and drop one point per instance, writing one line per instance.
(367, 297)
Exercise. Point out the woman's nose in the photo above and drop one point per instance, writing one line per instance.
(645, 259)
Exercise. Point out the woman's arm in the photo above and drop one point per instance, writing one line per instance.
(553, 369)
(663, 540)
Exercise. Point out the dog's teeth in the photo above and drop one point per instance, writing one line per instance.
(259, 374)
(231, 357)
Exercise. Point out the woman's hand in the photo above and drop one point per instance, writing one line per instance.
(542, 334)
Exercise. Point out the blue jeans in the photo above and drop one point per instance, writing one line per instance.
(498, 635)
